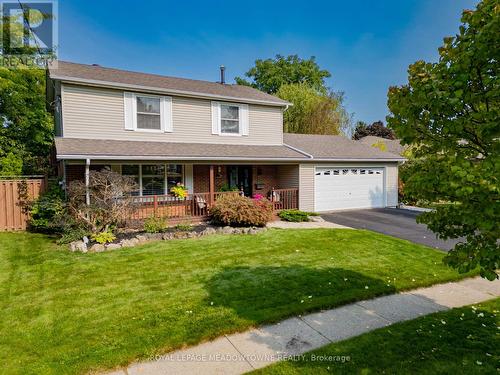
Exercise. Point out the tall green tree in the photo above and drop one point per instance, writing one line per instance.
(270, 74)
(450, 112)
(26, 131)
(313, 112)
(376, 129)
(26, 134)
(316, 109)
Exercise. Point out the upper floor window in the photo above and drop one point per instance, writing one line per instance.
(148, 113)
(229, 119)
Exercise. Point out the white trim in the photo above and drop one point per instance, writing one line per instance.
(130, 110)
(215, 114)
(166, 114)
(242, 111)
(87, 181)
(188, 177)
(237, 158)
(97, 83)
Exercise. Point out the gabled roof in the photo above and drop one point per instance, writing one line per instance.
(392, 145)
(107, 77)
(77, 148)
(336, 147)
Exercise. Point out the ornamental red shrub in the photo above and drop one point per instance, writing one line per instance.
(236, 210)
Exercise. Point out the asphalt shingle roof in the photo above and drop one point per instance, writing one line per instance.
(81, 73)
(393, 145)
(335, 147)
(100, 148)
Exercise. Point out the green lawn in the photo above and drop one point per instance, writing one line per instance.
(63, 312)
(458, 341)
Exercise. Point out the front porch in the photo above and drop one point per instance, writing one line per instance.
(205, 183)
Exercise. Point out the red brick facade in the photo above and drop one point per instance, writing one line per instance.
(264, 178)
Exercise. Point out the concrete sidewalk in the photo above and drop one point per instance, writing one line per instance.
(242, 352)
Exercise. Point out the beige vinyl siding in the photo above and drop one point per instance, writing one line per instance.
(287, 176)
(306, 187)
(391, 183)
(91, 113)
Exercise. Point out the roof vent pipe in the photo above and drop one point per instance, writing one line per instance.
(222, 75)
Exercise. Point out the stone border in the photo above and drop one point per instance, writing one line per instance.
(142, 238)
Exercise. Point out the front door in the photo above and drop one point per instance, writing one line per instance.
(240, 177)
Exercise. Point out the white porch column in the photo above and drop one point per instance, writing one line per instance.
(87, 182)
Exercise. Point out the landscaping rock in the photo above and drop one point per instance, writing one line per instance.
(167, 236)
(227, 230)
(208, 231)
(129, 243)
(316, 219)
(113, 246)
(72, 246)
(180, 235)
(97, 248)
(141, 238)
(155, 236)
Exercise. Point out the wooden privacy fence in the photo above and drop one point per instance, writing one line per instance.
(12, 216)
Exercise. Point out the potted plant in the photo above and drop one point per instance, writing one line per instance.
(179, 191)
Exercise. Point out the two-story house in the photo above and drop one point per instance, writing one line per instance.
(209, 136)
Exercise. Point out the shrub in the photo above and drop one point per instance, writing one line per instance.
(294, 215)
(226, 187)
(71, 234)
(103, 237)
(110, 201)
(48, 212)
(241, 211)
(155, 225)
(185, 227)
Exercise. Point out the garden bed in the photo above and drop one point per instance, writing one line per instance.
(131, 238)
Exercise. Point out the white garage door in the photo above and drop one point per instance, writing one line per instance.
(338, 188)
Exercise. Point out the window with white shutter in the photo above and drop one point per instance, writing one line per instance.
(230, 119)
(148, 113)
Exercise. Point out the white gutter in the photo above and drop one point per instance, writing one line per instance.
(215, 158)
(115, 85)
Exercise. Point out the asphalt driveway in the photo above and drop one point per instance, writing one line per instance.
(391, 221)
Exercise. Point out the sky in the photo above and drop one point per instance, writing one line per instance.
(366, 45)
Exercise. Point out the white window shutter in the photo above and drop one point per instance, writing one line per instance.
(128, 100)
(244, 119)
(166, 114)
(215, 118)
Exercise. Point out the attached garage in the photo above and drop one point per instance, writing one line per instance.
(343, 174)
(337, 188)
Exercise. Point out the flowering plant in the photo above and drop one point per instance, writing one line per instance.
(179, 191)
(258, 197)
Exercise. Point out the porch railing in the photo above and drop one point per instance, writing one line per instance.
(285, 199)
(167, 206)
(197, 205)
